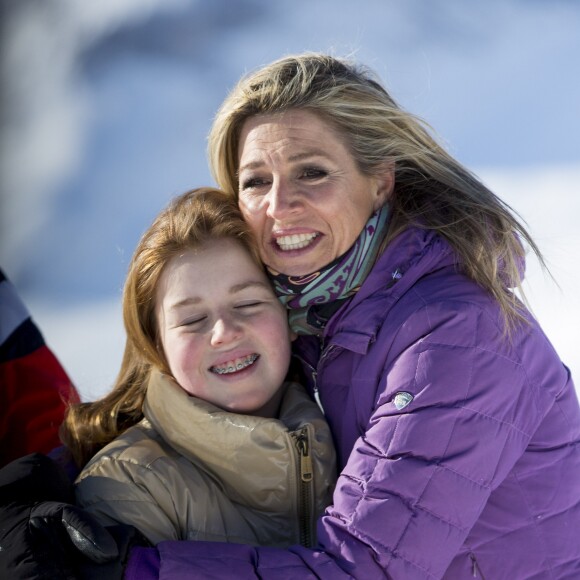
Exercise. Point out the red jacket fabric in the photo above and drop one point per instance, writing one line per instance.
(34, 388)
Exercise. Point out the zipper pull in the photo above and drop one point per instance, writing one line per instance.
(305, 459)
(475, 567)
(315, 390)
(317, 398)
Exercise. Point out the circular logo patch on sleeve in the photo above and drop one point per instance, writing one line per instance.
(402, 399)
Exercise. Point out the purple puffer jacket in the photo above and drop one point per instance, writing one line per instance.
(460, 446)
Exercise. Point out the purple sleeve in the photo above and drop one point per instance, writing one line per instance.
(186, 560)
(143, 563)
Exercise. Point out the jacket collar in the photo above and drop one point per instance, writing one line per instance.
(411, 255)
(252, 457)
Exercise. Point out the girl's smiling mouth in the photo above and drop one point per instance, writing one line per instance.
(235, 365)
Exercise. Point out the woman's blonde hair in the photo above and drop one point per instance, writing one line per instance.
(190, 220)
(432, 189)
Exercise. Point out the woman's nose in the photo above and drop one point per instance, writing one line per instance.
(225, 330)
(283, 200)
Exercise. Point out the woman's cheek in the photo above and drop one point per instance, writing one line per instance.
(251, 207)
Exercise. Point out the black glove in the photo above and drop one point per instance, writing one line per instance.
(44, 536)
(126, 537)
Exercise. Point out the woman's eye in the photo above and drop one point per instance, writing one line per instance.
(253, 183)
(314, 173)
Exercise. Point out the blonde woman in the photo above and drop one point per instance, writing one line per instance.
(457, 426)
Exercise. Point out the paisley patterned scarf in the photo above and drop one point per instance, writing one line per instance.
(312, 299)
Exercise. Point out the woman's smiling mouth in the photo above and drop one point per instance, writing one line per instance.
(235, 365)
(295, 241)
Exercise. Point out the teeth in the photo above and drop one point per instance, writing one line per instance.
(295, 241)
(234, 365)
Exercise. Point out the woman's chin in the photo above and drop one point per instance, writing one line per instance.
(296, 262)
(295, 270)
(300, 261)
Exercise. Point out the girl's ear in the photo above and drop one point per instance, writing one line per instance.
(385, 184)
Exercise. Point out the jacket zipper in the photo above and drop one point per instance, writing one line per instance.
(314, 375)
(315, 391)
(314, 372)
(305, 484)
(325, 352)
(475, 569)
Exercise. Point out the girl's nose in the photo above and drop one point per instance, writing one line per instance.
(225, 330)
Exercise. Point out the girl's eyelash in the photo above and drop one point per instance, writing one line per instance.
(249, 304)
(197, 321)
(194, 321)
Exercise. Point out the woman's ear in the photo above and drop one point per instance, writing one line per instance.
(385, 184)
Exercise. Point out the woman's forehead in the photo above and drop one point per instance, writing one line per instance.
(298, 132)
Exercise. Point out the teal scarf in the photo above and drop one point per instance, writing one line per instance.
(313, 298)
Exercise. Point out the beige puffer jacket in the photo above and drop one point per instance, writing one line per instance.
(191, 471)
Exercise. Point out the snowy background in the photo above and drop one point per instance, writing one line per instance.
(105, 108)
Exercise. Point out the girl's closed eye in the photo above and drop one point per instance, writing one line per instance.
(250, 304)
(193, 322)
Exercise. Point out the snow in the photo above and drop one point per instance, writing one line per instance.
(107, 108)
